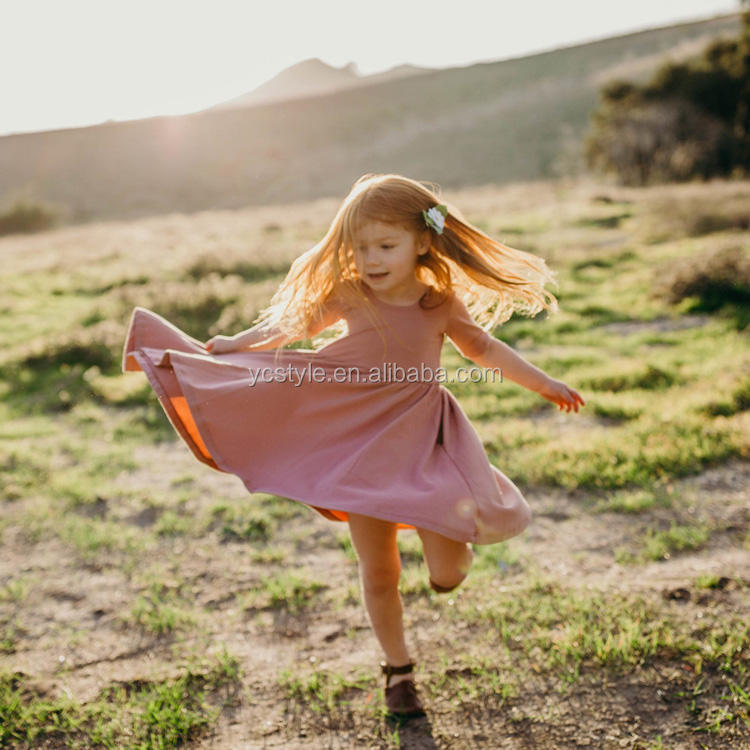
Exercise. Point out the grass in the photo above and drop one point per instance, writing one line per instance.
(571, 632)
(634, 454)
(290, 591)
(562, 629)
(92, 537)
(168, 558)
(323, 691)
(160, 610)
(142, 713)
(660, 545)
(635, 501)
(240, 524)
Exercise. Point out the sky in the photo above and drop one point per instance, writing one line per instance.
(70, 63)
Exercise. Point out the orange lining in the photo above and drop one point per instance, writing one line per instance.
(183, 411)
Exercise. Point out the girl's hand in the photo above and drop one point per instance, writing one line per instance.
(222, 344)
(558, 393)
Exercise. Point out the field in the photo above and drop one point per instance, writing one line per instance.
(148, 601)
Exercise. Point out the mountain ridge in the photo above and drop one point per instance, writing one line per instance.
(312, 77)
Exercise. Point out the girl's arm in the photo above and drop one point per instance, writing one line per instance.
(498, 355)
(477, 345)
(256, 338)
(259, 337)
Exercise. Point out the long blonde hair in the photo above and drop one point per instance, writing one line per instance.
(492, 279)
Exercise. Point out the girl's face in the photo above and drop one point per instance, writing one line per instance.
(385, 256)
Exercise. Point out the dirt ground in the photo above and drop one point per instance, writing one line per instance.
(72, 643)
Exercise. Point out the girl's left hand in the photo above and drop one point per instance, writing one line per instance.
(558, 393)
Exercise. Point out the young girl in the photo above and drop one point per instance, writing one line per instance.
(360, 429)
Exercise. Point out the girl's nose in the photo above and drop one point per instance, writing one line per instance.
(371, 256)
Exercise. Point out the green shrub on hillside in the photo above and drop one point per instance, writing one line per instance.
(691, 120)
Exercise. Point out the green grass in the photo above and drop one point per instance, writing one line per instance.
(737, 400)
(566, 630)
(494, 558)
(711, 581)
(160, 610)
(240, 524)
(323, 690)
(172, 524)
(660, 545)
(623, 456)
(473, 681)
(92, 537)
(91, 474)
(286, 591)
(147, 714)
(635, 501)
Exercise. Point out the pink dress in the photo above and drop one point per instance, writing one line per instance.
(373, 440)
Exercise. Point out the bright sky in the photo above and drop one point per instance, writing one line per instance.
(66, 63)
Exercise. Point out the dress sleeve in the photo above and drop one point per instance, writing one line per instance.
(466, 334)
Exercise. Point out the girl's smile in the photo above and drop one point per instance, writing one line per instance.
(385, 255)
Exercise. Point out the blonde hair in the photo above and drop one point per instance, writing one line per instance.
(491, 279)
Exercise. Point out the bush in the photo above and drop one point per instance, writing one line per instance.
(26, 215)
(716, 278)
(689, 121)
(659, 141)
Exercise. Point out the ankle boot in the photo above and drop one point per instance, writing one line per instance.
(401, 699)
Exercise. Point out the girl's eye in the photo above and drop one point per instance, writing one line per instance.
(386, 247)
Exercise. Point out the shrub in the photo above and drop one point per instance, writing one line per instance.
(26, 215)
(659, 141)
(689, 120)
(715, 278)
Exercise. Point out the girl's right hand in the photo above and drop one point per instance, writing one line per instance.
(222, 344)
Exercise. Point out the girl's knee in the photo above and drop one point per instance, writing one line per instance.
(448, 572)
(440, 589)
(379, 579)
(444, 583)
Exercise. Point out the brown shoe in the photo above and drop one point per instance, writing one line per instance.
(401, 699)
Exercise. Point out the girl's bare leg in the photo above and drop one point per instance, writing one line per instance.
(380, 569)
(448, 561)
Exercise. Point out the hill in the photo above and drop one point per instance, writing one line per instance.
(498, 122)
(313, 77)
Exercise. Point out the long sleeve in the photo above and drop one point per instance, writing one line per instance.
(466, 334)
